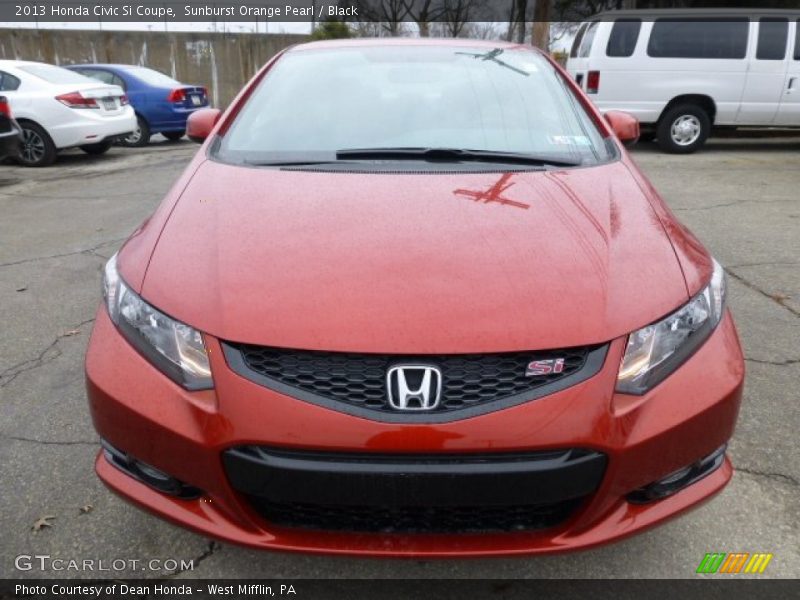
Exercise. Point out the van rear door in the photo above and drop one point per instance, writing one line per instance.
(789, 108)
(766, 74)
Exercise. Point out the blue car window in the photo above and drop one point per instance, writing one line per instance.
(117, 80)
(104, 76)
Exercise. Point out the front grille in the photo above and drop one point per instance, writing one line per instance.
(412, 519)
(359, 380)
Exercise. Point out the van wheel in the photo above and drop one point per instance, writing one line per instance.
(38, 149)
(683, 129)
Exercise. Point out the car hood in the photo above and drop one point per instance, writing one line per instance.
(414, 263)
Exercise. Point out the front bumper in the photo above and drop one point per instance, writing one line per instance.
(190, 434)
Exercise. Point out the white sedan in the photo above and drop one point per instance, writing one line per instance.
(57, 109)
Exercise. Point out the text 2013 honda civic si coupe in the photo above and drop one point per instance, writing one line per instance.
(414, 298)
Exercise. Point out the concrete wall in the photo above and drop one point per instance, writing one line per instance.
(223, 62)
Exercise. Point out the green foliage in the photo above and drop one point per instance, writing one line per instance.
(331, 30)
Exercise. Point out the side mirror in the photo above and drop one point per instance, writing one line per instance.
(624, 125)
(201, 122)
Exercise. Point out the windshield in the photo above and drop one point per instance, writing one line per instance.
(152, 77)
(313, 104)
(53, 74)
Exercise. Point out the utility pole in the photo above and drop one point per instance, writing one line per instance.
(541, 25)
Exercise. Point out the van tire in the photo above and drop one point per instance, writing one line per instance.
(683, 129)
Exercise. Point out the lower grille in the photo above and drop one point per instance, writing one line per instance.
(399, 519)
(454, 493)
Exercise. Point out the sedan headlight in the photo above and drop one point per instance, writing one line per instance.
(173, 347)
(655, 351)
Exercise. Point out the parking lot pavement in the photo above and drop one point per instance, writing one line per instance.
(59, 225)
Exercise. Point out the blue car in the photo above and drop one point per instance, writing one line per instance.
(162, 104)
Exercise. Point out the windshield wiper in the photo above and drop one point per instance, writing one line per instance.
(287, 163)
(492, 56)
(453, 155)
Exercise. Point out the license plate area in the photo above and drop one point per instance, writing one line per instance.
(196, 100)
(109, 103)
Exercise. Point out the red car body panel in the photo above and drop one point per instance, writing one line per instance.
(414, 264)
(689, 415)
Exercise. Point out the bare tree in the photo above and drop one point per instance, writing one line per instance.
(422, 12)
(366, 28)
(457, 14)
(522, 8)
(482, 30)
(389, 13)
(577, 10)
(518, 17)
(561, 29)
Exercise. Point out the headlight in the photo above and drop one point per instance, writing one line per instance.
(175, 348)
(655, 351)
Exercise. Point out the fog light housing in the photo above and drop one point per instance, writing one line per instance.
(680, 479)
(148, 474)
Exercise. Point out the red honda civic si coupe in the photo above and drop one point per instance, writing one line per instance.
(414, 298)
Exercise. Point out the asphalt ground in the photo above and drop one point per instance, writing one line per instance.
(59, 225)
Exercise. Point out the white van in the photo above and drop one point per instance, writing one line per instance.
(682, 73)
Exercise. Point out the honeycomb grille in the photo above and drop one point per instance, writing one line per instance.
(398, 519)
(360, 379)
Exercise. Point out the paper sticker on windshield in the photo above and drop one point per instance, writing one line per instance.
(570, 140)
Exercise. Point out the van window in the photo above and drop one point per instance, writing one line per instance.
(772, 34)
(588, 38)
(695, 38)
(624, 35)
(573, 53)
(797, 41)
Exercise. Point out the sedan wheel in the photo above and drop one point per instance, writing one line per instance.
(32, 146)
(38, 150)
(139, 136)
(134, 137)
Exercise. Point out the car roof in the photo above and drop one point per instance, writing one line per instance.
(121, 67)
(388, 42)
